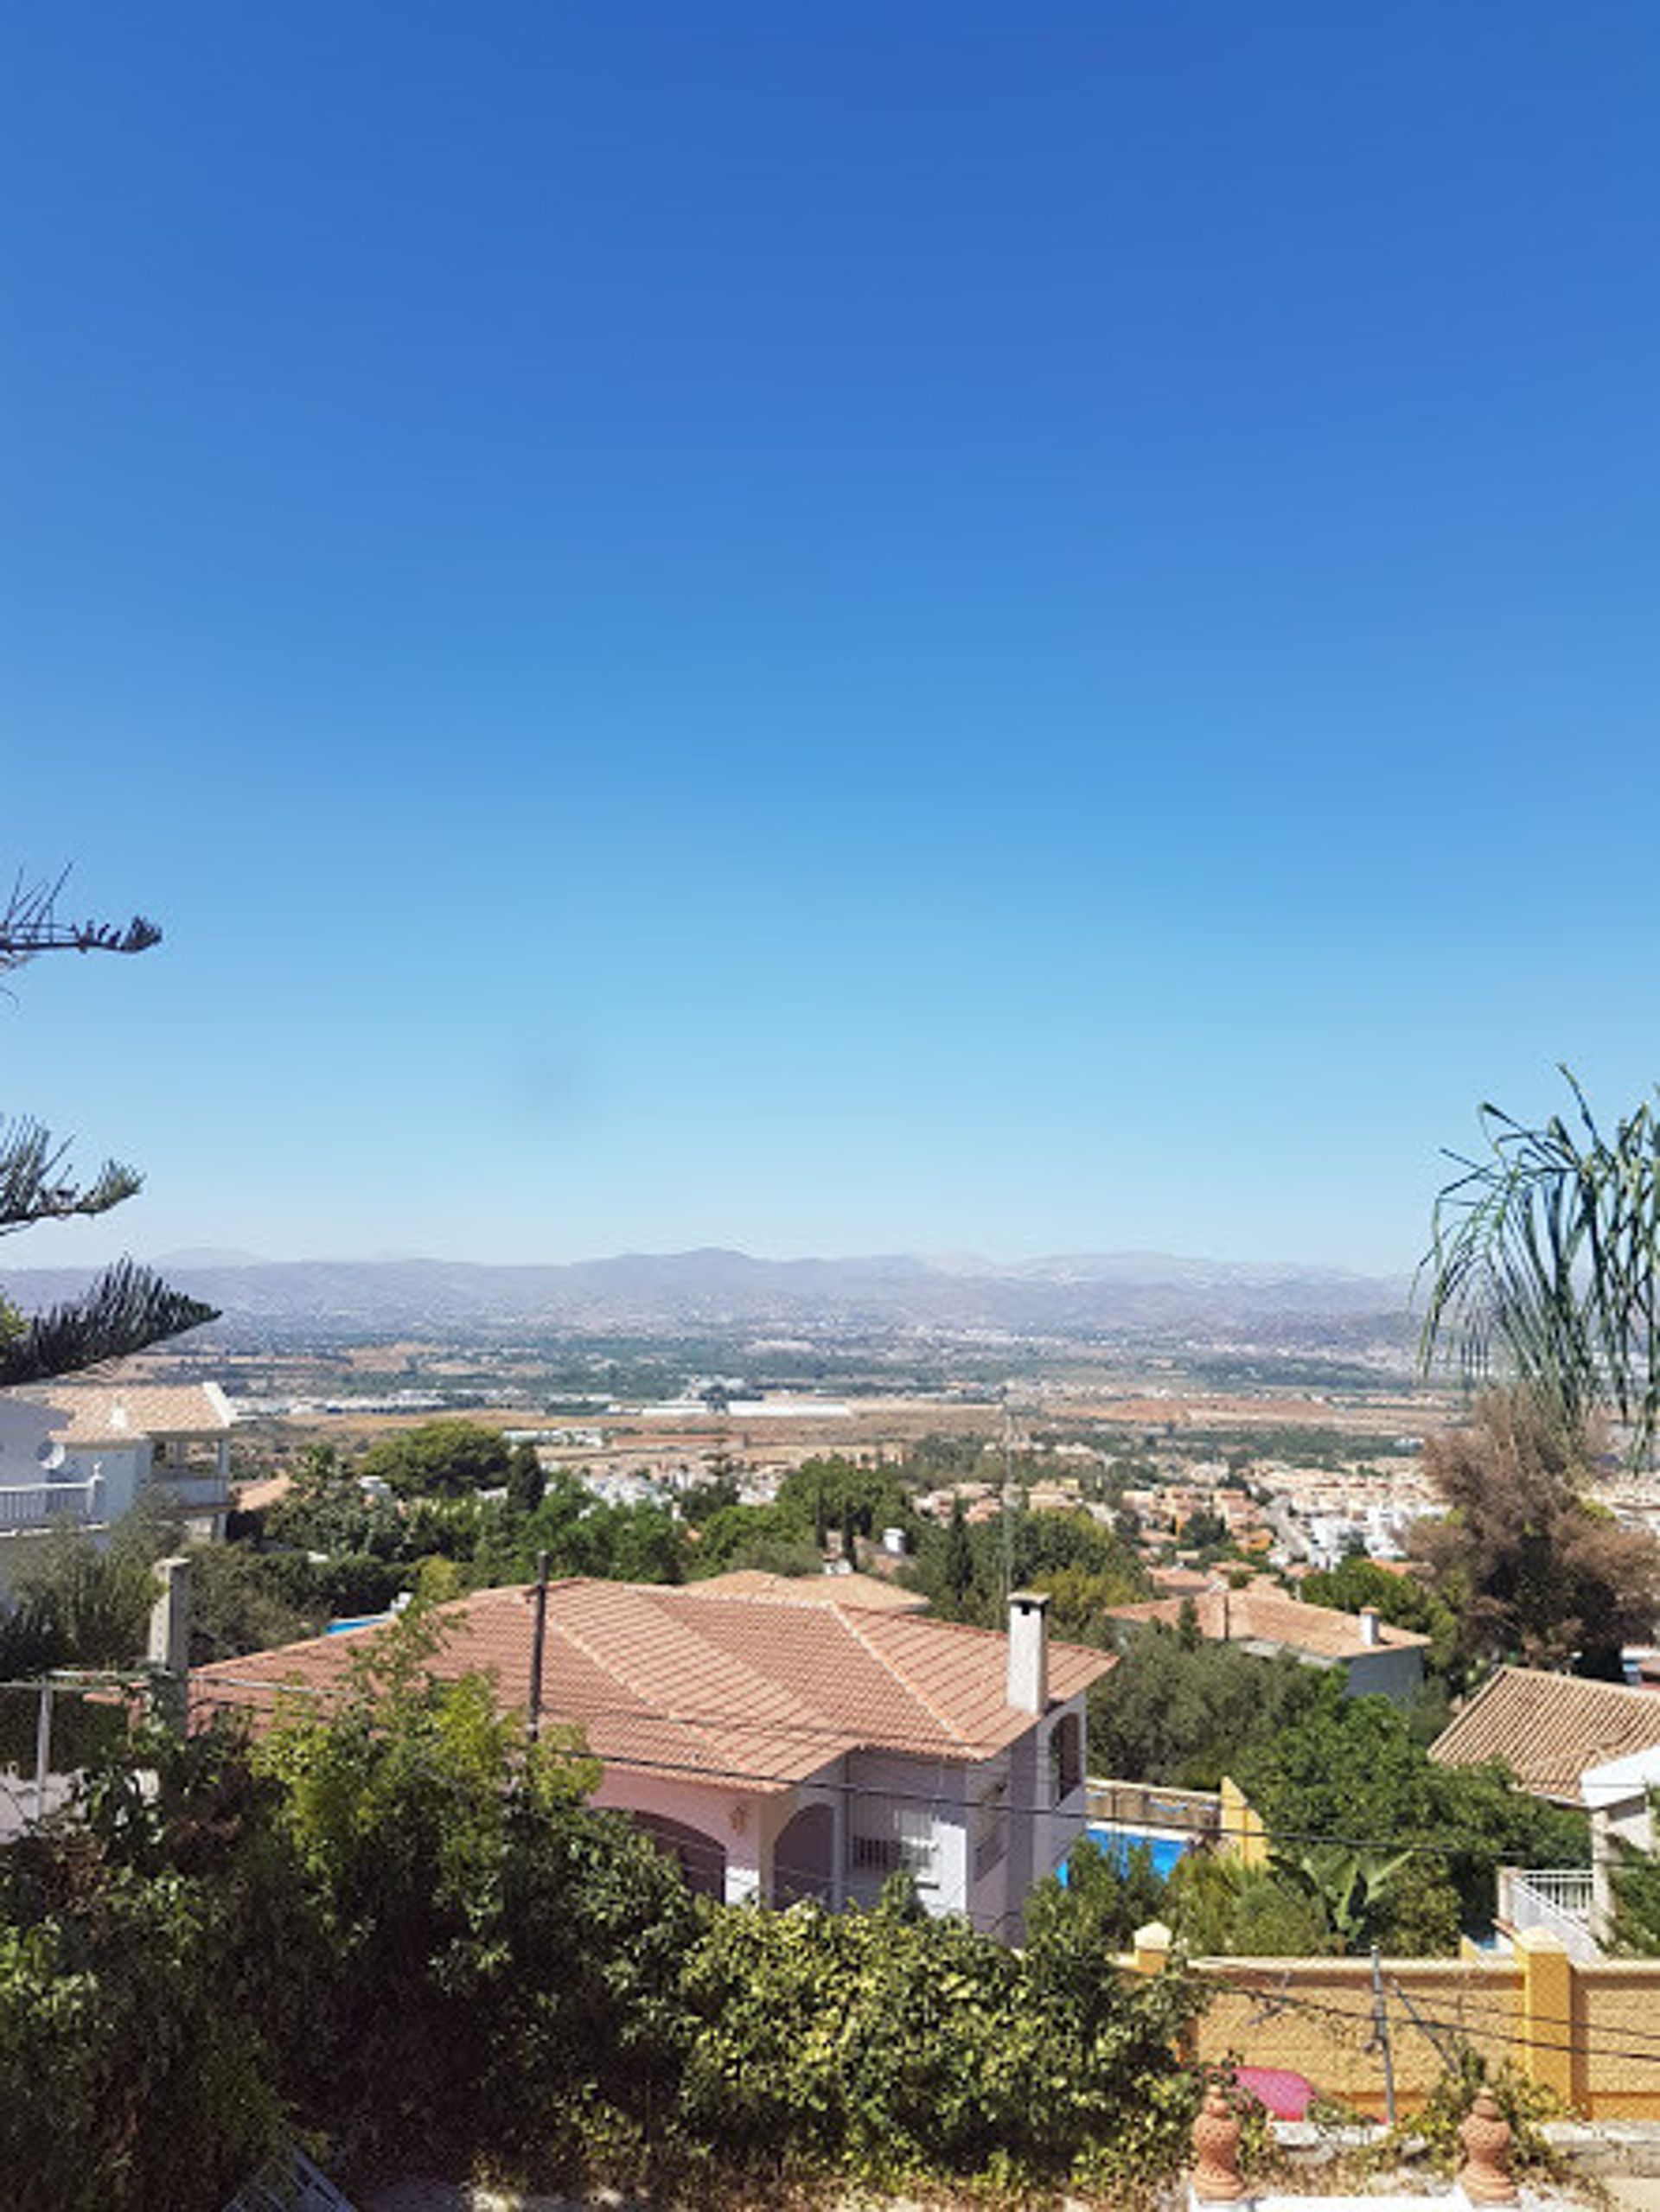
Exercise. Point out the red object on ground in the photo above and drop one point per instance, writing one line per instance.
(1286, 2095)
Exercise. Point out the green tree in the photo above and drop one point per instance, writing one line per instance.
(1356, 1584)
(127, 1307)
(957, 1574)
(1349, 1771)
(1635, 1879)
(238, 1605)
(1185, 1714)
(1532, 1570)
(439, 1459)
(527, 1481)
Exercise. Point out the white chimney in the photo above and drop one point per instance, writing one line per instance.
(1029, 1650)
(1371, 1632)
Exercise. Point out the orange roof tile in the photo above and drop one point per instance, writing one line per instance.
(868, 1592)
(1550, 1728)
(759, 1690)
(1258, 1615)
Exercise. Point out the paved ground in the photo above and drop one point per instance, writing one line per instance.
(1640, 2191)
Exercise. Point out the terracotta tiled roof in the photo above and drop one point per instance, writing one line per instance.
(867, 1593)
(1550, 1728)
(733, 1688)
(121, 1412)
(1182, 1582)
(1259, 1615)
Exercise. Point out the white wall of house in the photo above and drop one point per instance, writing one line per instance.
(905, 1812)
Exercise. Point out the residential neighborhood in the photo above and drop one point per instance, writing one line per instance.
(830, 1344)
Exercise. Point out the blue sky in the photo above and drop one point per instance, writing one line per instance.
(828, 628)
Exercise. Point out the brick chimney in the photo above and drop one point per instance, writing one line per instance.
(1028, 1690)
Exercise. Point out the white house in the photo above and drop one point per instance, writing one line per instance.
(82, 1455)
(1572, 1742)
(784, 1748)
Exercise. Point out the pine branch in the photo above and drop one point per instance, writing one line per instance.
(29, 924)
(127, 1309)
(31, 1188)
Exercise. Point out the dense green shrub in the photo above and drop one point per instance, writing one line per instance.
(397, 1927)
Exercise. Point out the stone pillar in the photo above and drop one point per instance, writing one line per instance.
(1152, 1947)
(168, 1648)
(1546, 2024)
(1603, 1861)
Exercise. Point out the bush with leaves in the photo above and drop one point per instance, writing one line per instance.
(395, 1925)
(1432, 2130)
(888, 2047)
(1350, 1771)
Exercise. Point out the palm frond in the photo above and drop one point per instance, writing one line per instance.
(1548, 1252)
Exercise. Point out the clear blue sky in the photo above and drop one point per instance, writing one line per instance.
(839, 627)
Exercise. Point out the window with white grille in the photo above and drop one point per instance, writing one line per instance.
(886, 1837)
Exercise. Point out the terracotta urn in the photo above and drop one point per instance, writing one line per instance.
(1486, 2134)
(1216, 2179)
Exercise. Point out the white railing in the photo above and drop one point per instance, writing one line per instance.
(36, 1505)
(1559, 1899)
(195, 1493)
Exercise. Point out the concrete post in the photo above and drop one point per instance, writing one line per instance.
(1546, 2026)
(168, 1651)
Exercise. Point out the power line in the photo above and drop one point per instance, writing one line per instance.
(1223, 1830)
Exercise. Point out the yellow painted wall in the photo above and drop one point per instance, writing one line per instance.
(1591, 2032)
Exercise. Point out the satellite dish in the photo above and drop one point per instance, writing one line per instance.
(51, 1455)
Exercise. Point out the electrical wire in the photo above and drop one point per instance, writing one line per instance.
(1224, 1830)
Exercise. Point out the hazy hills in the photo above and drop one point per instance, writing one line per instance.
(1082, 1295)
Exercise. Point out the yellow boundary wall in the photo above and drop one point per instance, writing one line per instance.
(1590, 2031)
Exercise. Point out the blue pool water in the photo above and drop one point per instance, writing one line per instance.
(1119, 1843)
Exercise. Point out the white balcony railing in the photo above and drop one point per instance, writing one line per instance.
(40, 1505)
(1559, 1899)
(194, 1493)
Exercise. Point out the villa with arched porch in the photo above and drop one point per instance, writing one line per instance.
(784, 1748)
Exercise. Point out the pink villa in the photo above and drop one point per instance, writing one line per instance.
(782, 1746)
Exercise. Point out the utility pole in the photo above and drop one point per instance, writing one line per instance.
(537, 1641)
(42, 1747)
(1381, 2035)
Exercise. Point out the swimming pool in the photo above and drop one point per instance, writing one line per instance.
(1118, 1843)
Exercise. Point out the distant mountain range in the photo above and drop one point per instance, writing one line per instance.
(1081, 1294)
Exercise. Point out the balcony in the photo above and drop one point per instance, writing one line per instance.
(1559, 1899)
(192, 1491)
(49, 1505)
